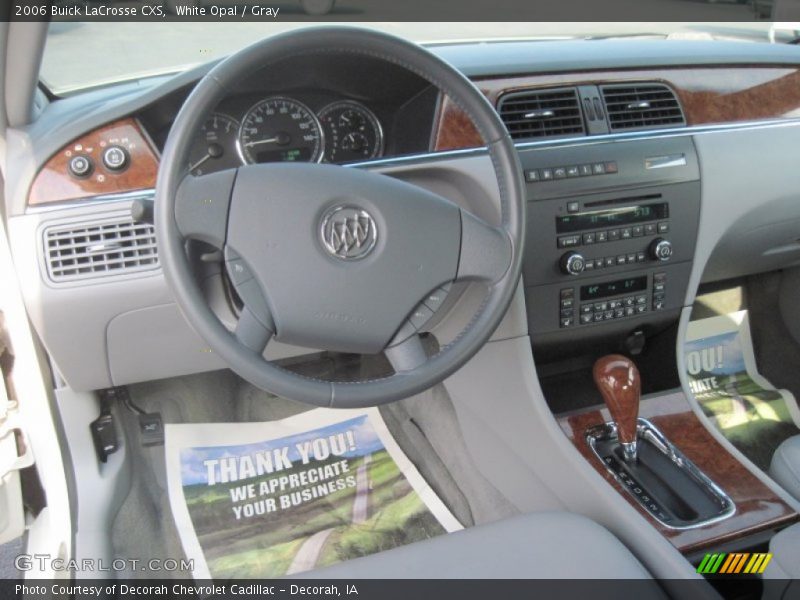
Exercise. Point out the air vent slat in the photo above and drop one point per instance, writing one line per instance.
(79, 252)
(641, 106)
(556, 113)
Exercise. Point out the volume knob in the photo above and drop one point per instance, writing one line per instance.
(572, 263)
(661, 249)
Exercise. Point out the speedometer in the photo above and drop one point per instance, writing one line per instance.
(280, 130)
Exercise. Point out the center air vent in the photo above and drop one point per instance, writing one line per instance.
(641, 106)
(111, 247)
(541, 113)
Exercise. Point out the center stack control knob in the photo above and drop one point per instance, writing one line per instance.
(661, 249)
(572, 263)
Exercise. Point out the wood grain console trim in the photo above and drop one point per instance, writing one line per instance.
(54, 183)
(707, 94)
(757, 507)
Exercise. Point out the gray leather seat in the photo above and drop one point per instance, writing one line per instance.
(782, 575)
(785, 467)
(553, 545)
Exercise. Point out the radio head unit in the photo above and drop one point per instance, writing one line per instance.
(613, 249)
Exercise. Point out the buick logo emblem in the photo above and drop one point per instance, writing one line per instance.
(348, 232)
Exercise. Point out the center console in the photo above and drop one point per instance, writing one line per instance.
(610, 244)
(611, 236)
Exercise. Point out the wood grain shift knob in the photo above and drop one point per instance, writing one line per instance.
(618, 380)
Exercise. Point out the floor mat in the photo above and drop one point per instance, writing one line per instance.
(749, 411)
(283, 497)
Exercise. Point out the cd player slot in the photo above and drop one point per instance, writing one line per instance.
(598, 203)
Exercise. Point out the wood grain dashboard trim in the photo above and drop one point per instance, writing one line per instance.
(54, 183)
(708, 95)
(757, 507)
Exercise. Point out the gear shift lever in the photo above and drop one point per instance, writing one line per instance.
(618, 380)
(667, 484)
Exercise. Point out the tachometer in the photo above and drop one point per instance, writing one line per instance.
(352, 132)
(214, 146)
(280, 130)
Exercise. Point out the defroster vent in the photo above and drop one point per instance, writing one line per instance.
(80, 251)
(641, 106)
(542, 113)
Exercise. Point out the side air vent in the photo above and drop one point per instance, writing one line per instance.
(641, 106)
(541, 113)
(81, 251)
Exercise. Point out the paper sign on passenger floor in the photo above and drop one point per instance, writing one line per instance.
(722, 374)
(256, 500)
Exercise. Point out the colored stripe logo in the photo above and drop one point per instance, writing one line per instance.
(734, 563)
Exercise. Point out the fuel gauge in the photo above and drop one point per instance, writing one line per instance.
(214, 146)
(352, 132)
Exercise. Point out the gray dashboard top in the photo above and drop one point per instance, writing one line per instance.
(70, 117)
(518, 58)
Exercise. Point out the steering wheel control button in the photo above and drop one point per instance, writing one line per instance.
(238, 271)
(572, 263)
(348, 232)
(406, 331)
(661, 249)
(81, 166)
(115, 158)
(435, 299)
(420, 316)
(250, 293)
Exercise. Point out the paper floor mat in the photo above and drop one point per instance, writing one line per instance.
(749, 411)
(257, 500)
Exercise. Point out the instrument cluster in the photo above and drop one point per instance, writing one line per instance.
(284, 129)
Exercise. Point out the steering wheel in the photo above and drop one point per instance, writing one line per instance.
(336, 258)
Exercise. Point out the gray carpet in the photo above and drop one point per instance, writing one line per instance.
(777, 352)
(425, 427)
(9, 552)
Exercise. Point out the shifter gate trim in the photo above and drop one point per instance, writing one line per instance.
(649, 434)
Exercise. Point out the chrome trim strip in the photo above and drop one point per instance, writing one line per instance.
(586, 140)
(411, 159)
(146, 194)
(665, 162)
(647, 431)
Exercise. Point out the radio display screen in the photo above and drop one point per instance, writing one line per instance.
(614, 288)
(612, 217)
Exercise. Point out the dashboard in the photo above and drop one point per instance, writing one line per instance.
(651, 167)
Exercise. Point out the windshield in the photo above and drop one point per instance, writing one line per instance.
(123, 51)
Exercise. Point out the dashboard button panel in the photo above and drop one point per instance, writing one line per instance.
(113, 159)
